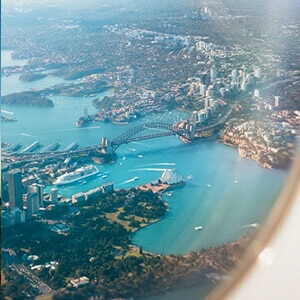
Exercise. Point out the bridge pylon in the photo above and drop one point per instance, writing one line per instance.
(106, 146)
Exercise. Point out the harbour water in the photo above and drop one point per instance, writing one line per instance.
(224, 193)
(8, 61)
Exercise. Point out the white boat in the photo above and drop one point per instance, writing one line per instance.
(140, 156)
(104, 176)
(197, 228)
(189, 177)
(235, 180)
(209, 185)
(78, 174)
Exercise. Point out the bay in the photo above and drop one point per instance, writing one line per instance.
(223, 193)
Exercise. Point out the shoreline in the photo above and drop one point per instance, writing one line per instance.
(282, 166)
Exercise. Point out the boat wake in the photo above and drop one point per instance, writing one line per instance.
(27, 134)
(7, 112)
(130, 180)
(160, 164)
(149, 169)
(253, 225)
(89, 127)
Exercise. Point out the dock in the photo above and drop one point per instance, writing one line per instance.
(51, 147)
(15, 147)
(72, 146)
(31, 147)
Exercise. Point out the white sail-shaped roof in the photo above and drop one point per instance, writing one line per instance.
(170, 176)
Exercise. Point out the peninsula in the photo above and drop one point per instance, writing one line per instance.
(96, 234)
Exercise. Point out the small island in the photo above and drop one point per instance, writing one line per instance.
(29, 77)
(27, 98)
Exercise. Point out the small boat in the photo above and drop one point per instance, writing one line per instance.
(209, 185)
(140, 156)
(235, 180)
(189, 177)
(124, 157)
(169, 194)
(104, 176)
(197, 228)
(133, 149)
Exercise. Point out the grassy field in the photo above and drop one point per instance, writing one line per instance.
(3, 279)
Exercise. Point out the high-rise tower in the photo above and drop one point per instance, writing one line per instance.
(15, 189)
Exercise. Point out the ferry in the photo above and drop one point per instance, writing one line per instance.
(197, 228)
(78, 174)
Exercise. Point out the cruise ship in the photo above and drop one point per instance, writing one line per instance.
(78, 174)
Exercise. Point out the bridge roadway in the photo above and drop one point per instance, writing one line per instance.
(125, 138)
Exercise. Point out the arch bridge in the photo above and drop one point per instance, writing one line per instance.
(132, 134)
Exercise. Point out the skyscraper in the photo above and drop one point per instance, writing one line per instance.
(276, 101)
(206, 104)
(195, 116)
(37, 188)
(213, 74)
(33, 204)
(202, 89)
(15, 189)
(234, 76)
(54, 196)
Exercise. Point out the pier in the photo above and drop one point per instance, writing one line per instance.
(35, 145)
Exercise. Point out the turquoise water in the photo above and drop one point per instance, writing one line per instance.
(224, 194)
(9, 86)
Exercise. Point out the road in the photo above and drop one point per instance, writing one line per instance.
(32, 279)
